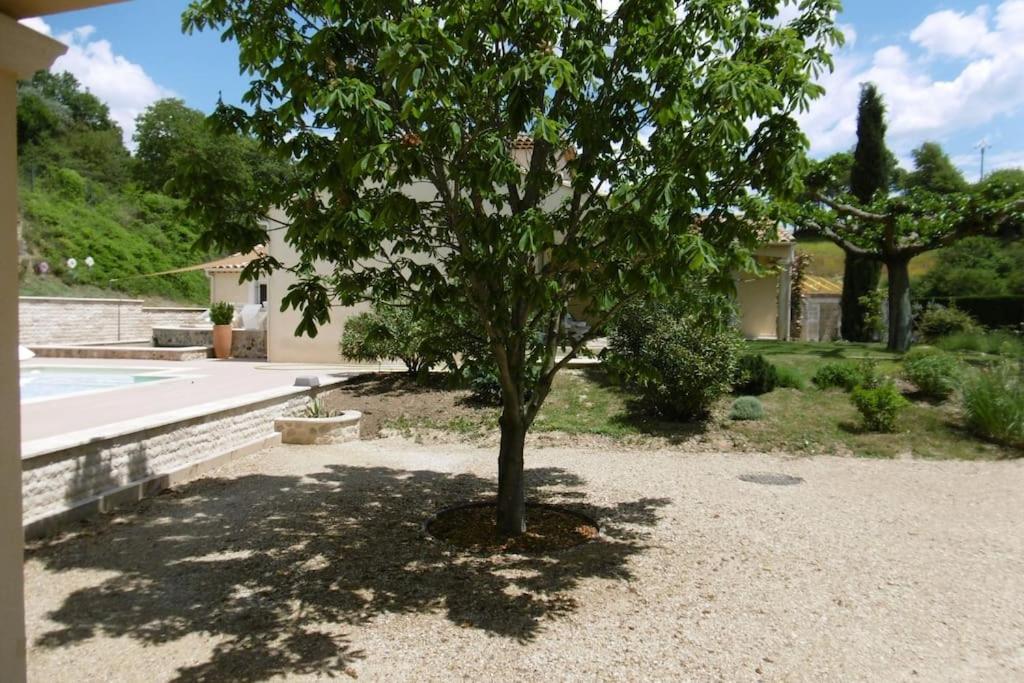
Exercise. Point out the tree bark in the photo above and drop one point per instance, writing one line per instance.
(511, 487)
(860, 277)
(899, 303)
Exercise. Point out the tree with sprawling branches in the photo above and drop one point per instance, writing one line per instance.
(509, 157)
(893, 230)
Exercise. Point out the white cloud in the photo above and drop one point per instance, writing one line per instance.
(921, 105)
(122, 85)
(952, 33)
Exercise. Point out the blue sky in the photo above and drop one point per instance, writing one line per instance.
(951, 70)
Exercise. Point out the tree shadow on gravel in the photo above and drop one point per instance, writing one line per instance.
(277, 569)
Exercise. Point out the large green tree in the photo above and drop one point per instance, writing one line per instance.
(510, 157)
(870, 174)
(165, 129)
(934, 171)
(61, 124)
(892, 230)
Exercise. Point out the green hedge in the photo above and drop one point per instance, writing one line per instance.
(990, 311)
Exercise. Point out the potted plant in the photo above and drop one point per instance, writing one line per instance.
(221, 315)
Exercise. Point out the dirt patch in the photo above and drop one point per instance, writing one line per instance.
(389, 399)
(474, 527)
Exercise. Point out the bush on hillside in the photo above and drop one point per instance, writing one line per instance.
(879, 406)
(936, 375)
(679, 362)
(994, 404)
(755, 375)
(846, 375)
(940, 321)
(65, 183)
(747, 408)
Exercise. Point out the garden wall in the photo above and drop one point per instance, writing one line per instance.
(64, 320)
(75, 475)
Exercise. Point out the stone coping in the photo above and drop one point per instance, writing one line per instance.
(75, 300)
(39, 448)
(179, 309)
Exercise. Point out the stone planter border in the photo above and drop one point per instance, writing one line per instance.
(319, 430)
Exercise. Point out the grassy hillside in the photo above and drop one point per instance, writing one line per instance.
(827, 259)
(128, 234)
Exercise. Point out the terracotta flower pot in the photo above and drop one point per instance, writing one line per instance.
(222, 341)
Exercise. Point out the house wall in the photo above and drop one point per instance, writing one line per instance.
(22, 52)
(759, 297)
(282, 344)
(226, 287)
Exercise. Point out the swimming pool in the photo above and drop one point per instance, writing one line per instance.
(39, 382)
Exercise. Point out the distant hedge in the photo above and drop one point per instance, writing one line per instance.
(990, 311)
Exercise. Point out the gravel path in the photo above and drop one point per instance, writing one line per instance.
(308, 563)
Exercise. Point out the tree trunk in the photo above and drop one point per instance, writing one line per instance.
(899, 304)
(511, 488)
(860, 277)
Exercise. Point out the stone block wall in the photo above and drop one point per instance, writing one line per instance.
(58, 481)
(65, 320)
(174, 317)
(55, 320)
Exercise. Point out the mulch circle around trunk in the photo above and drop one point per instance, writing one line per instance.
(473, 526)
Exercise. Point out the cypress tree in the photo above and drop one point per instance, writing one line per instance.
(869, 175)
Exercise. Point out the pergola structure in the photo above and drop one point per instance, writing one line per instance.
(22, 53)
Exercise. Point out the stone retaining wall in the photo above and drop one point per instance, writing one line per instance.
(65, 320)
(55, 320)
(248, 344)
(164, 316)
(74, 475)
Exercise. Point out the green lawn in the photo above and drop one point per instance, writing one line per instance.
(808, 422)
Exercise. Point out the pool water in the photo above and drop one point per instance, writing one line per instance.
(40, 382)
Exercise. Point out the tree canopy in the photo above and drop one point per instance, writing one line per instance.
(934, 171)
(893, 228)
(512, 157)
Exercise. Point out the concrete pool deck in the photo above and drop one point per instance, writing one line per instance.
(201, 381)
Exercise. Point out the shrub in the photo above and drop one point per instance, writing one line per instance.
(318, 409)
(937, 375)
(879, 406)
(999, 343)
(755, 375)
(994, 404)
(392, 332)
(222, 313)
(747, 408)
(939, 321)
(846, 375)
(65, 182)
(789, 378)
(678, 359)
(920, 351)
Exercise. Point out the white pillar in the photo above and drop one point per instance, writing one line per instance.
(22, 52)
(785, 296)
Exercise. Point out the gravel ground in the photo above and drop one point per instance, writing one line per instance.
(309, 563)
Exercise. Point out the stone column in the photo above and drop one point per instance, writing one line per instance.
(22, 53)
